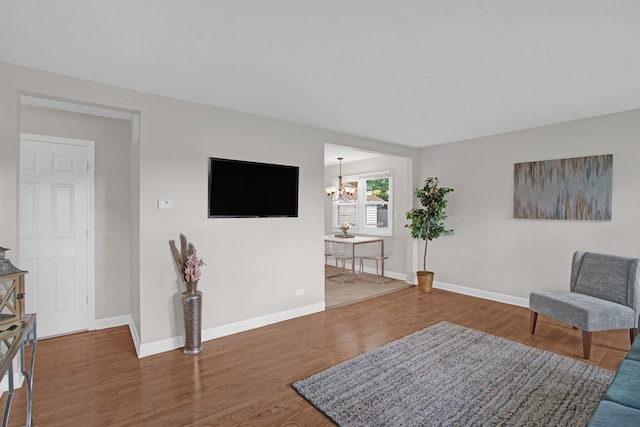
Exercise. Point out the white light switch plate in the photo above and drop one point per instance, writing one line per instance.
(165, 204)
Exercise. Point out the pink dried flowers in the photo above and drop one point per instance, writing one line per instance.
(187, 259)
(192, 268)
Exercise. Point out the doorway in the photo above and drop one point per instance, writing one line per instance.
(397, 244)
(55, 231)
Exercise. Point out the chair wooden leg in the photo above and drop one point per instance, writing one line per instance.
(533, 318)
(633, 333)
(586, 344)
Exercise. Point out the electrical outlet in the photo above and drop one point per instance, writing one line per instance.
(299, 292)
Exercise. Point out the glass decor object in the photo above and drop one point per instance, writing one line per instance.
(11, 290)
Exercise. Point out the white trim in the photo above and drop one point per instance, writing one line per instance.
(492, 296)
(135, 128)
(113, 322)
(413, 258)
(126, 320)
(91, 239)
(75, 107)
(18, 378)
(173, 343)
(161, 346)
(387, 273)
(135, 336)
(372, 270)
(361, 203)
(229, 329)
(55, 139)
(368, 175)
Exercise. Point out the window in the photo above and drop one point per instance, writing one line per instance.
(368, 210)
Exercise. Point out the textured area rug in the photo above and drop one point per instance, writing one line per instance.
(449, 375)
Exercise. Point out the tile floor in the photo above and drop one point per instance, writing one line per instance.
(341, 290)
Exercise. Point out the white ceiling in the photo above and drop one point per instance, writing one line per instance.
(332, 152)
(411, 72)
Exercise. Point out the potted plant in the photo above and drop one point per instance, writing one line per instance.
(427, 223)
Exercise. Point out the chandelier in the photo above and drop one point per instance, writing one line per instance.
(340, 192)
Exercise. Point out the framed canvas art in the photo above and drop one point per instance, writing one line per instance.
(578, 188)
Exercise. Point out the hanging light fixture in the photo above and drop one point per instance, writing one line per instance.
(340, 192)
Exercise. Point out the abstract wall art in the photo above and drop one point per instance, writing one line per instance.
(571, 189)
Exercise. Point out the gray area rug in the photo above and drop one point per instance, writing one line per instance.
(449, 375)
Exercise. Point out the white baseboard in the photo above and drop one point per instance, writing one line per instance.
(135, 337)
(161, 346)
(232, 328)
(18, 378)
(113, 322)
(389, 274)
(173, 343)
(372, 270)
(492, 296)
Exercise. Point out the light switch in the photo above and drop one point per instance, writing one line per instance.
(165, 204)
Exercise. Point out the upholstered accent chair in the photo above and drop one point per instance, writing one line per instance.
(603, 295)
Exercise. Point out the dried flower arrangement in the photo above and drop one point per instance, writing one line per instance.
(187, 259)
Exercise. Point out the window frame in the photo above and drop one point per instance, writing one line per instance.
(361, 203)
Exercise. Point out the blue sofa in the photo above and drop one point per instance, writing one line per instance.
(620, 405)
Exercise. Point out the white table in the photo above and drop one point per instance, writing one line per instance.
(354, 241)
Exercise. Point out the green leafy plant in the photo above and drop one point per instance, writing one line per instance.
(427, 223)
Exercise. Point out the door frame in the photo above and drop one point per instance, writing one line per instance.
(91, 274)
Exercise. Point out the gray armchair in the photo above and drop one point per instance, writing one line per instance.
(603, 295)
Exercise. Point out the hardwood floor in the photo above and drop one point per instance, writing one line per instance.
(95, 378)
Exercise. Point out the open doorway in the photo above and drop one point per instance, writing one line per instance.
(370, 214)
(108, 300)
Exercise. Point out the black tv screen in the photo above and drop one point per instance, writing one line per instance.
(242, 189)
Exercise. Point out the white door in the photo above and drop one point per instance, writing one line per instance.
(53, 229)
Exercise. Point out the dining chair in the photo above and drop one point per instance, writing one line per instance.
(338, 252)
(378, 258)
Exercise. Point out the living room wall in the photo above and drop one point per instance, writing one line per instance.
(254, 266)
(491, 252)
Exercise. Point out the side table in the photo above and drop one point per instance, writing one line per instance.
(14, 337)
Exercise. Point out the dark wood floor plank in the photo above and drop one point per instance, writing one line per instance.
(95, 378)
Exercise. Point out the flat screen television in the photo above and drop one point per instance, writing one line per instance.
(242, 189)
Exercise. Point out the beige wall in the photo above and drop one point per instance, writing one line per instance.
(254, 266)
(491, 251)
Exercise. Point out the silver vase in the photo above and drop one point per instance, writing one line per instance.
(191, 287)
(192, 317)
